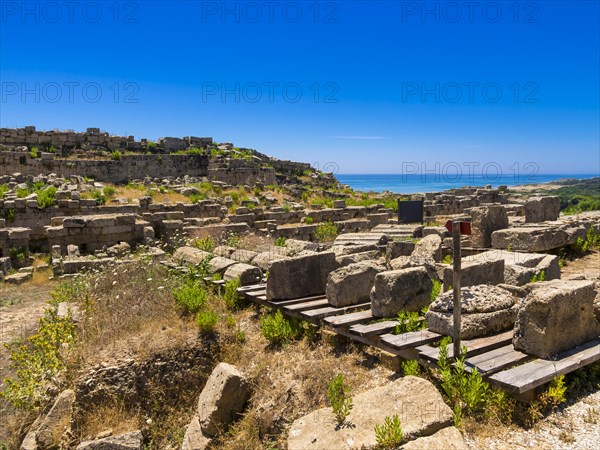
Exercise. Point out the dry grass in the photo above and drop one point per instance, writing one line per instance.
(128, 309)
(291, 381)
(113, 415)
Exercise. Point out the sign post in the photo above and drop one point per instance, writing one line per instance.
(456, 283)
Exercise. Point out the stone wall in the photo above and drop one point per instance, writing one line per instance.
(129, 167)
(92, 138)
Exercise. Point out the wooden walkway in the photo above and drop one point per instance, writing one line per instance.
(493, 356)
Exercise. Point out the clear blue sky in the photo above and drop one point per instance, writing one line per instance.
(528, 78)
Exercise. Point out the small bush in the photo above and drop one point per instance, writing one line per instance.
(191, 297)
(206, 244)
(326, 232)
(109, 191)
(447, 259)
(151, 145)
(435, 290)
(389, 435)
(17, 253)
(308, 220)
(99, 197)
(338, 394)
(279, 330)
(46, 197)
(116, 155)
(280, 242)
(3, 190)
(37, 363)
(34, 152)
(409, 321)
(538, 277)
(23, 192)
(410, 367)
(468, 390)
(207, 320)
(231, 296)
(10, 214)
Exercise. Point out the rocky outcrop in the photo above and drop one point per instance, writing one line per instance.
(416, 401)
(400, 290)
(485, 310)
(352, 284)
(557, 315)
(301, 276)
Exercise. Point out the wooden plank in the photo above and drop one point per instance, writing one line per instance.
(298, 300)
(410, 340)
(496, 360)
(374, 329)
(474, 347)
(349, 319)
(252, 287)
(321, 313)
(540, 371)
(306, 305)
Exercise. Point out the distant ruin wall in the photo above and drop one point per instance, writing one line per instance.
(94, 138)
(129, 167)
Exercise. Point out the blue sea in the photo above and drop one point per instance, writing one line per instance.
(416, 183)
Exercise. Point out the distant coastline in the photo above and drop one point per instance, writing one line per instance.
(415, 183)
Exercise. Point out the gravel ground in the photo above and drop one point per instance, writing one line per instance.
(573, 427)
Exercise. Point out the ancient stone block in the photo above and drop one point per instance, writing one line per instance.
(541, 209)
(476, 272)
(301, 276)
(485, 310)
(400, 290)
(558, 315)
(352, 284)
(222, 399)
(484, 221)
(247, 274)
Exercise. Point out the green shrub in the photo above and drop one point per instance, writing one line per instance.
(326, 232)
(116, 155)
(468, 390)
(99, 197)
(231, 296)
(389, 435)
(280, 242)
(3, 190)
(410, 367)
(207, 320)
(435, 290)
(109, 191)
(152, 145)
(233, 240)
(37, 363)
(206, 244)
(23, 192)
(447, 259)
(538, 277)
(308, 220)
(46, 197)
(194, 151)
(279, 330)
(33, 152)
(338, 394)
(191, 297)
(17, 253)
(10, 214)
(409, 321)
